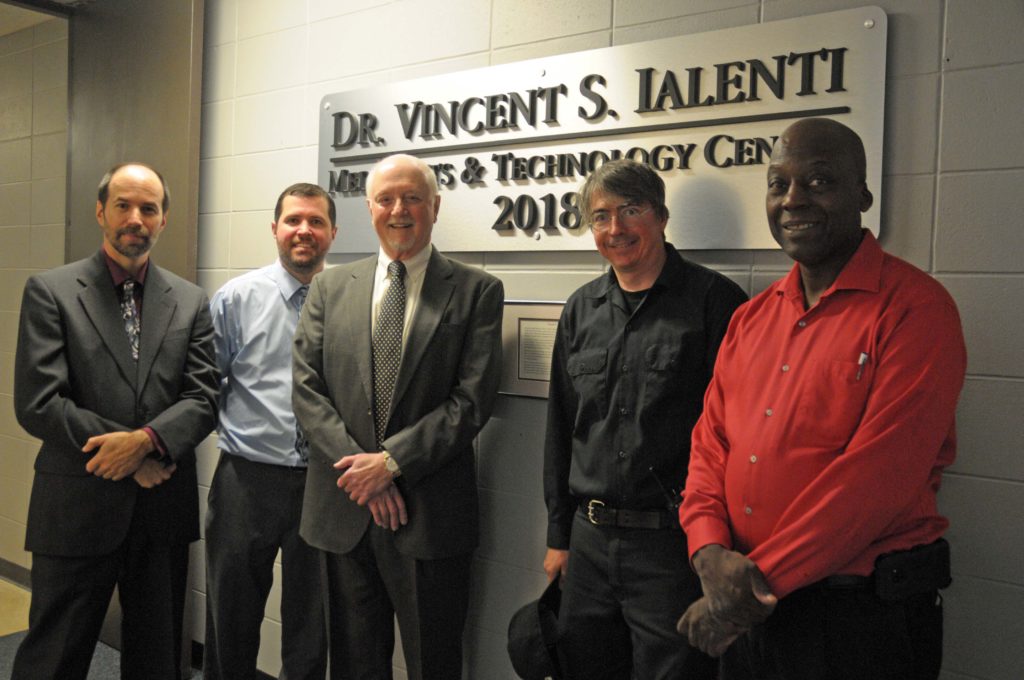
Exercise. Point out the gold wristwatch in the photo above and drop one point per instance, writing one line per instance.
(392, 465)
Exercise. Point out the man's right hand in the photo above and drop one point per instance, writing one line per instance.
(708, 634)
(556, 563)
(734, 586)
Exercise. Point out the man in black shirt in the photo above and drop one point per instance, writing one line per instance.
(633, 355)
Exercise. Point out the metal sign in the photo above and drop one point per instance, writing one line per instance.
(511, 144)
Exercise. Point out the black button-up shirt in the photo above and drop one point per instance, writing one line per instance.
(627, 388)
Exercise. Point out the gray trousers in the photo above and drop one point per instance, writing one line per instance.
(253, 511)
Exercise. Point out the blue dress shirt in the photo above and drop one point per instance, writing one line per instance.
(254, 320)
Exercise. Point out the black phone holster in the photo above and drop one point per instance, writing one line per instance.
(905, 573)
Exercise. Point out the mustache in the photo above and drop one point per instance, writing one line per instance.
(134, 231)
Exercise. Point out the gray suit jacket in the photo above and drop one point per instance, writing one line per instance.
(444, 394)
(74, 378)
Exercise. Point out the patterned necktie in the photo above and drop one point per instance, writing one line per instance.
(301, 443)
(130, 314)
(387, 347)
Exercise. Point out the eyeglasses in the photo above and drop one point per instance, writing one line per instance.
(629, 215)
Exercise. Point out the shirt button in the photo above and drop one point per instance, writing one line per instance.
(767, 411)
(622, 454)
(749, 510)
(802, 324)
(624, 368)
(753, 459)
(785, 367)
(623, 411)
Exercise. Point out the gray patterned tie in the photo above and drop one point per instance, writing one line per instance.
(130, 314)
(301, 443)
(387, 347)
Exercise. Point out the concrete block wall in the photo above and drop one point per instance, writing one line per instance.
(33, 162)
(952, 174)
(953, 169)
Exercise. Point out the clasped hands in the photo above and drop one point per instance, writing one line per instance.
(736, 597)
(121, 454)
(368, 482)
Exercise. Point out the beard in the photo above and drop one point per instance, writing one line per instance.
(305, 263)
(132, 249)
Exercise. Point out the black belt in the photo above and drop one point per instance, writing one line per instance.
(848, 582)
(600, 514)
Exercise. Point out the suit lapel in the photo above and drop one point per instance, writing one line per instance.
(158, 307)
(356, 308)
(434, 296)
(100, 303)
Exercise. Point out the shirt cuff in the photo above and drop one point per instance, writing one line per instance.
(159, 449)
(705, 531)
(558, 536)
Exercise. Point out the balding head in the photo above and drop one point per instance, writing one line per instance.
(816, 194)
(827, 134)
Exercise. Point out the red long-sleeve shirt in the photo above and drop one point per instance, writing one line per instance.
(825, 431)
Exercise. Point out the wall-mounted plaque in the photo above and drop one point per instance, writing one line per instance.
(527, 340)
(511, 144)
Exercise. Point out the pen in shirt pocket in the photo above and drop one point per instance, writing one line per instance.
(863, 359)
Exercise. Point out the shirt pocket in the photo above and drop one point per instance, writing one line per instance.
(674, 374)
(586, 368)
(832, 403)
(662, 366)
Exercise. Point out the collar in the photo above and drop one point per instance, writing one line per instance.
(287, 284)
(414, 266)
(863, 271)
(671, 277)
(118, 273)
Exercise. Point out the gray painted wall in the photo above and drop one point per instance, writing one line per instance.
(133, 91)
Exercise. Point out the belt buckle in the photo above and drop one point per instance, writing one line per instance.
(591, 507)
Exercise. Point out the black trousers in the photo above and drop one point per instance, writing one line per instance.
(820, 633)
(622, 596)
(372, 585)
(253, 511)
(70, 596)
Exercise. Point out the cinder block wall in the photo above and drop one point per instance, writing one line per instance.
(953, 204)
(33, 160)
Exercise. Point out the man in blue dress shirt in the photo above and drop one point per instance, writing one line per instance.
(256, 495)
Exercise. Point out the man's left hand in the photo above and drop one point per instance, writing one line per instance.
(153, 473)
(365, 476)
(120, 453)
(388, 509)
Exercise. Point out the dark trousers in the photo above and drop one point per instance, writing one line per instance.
(252, 512)
(623, 593)
(70, 596)
(373, 584)
(820, 633)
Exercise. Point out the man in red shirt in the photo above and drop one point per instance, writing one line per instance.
(810, 506)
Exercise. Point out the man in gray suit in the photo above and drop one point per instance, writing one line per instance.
(115, 374)
(396, 362)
